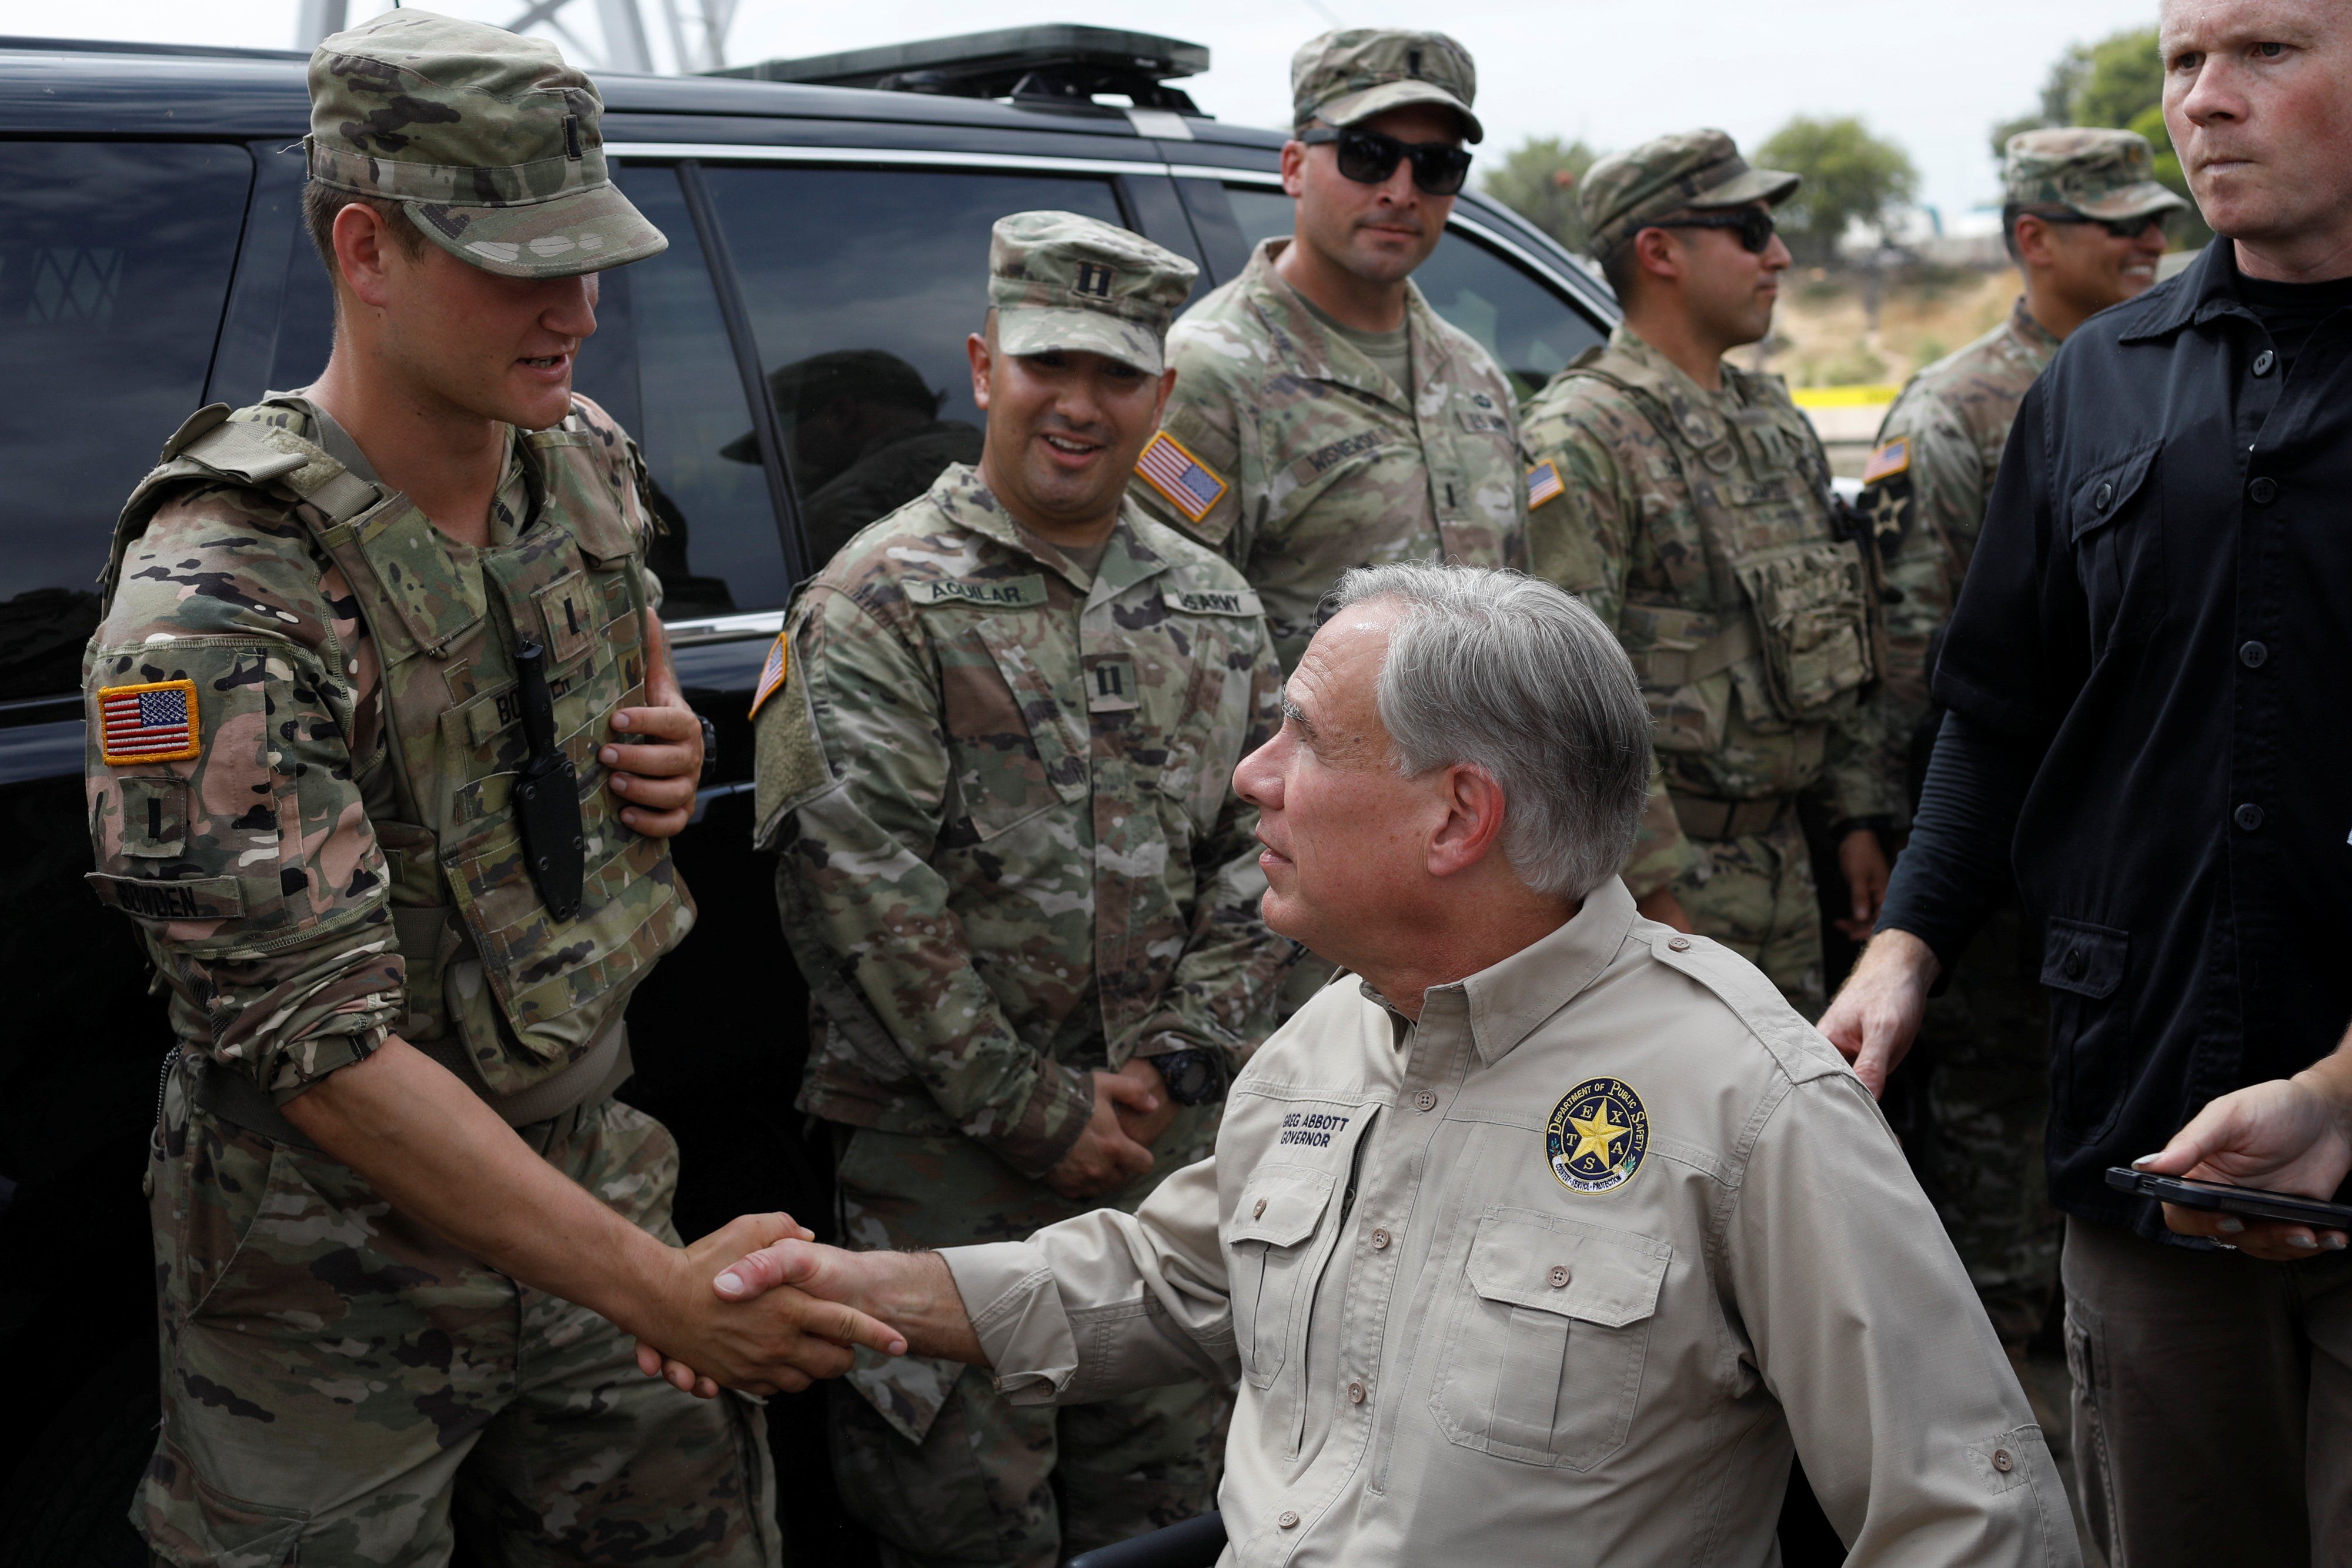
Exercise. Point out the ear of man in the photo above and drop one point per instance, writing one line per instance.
(1472, 826)
(322, 204)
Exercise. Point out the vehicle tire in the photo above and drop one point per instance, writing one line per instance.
(67, 1506)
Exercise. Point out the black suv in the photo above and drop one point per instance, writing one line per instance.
(153, 260)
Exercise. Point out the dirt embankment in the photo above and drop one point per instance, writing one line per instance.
(1823, 334)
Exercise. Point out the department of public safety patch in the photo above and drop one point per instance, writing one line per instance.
(1598, 1136)
(154, 721)
(1886, 462)
(1543, 483)
(1191, 485)
(771, 674)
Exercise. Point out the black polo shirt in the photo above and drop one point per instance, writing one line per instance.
(2157, 627)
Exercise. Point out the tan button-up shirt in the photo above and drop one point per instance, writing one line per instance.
(1560, 1274)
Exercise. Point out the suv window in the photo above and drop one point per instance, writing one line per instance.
(1532, 332)
(861, 285)
(114, 265)
(719, 553)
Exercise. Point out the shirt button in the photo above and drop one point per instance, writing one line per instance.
(2253, 655)
(2105, 498)
(2248, 816)
(1424, 1101)
(1287, 1520)
(2262, 364)
(1559, 1277)
(1354, 1394)
(2072, 964)
(2264, 490)
(2001, 1460)
(1380, 1240)
(1259, 1212)
(1679, 943)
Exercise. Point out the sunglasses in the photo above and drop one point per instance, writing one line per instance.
(1368, 158)
(1754, 224)
(2122, 228)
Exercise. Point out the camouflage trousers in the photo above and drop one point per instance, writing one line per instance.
(926, 1453)
(1754, 895)
(341, 1387)
(1985, 1049)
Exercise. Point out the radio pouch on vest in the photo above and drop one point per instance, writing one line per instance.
(547, 793)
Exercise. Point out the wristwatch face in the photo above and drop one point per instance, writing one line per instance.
(1192, 1076)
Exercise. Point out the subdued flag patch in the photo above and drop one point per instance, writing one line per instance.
(1886, 462)
(1543, 483)
(771, 674)
(154, 721)
(1189, 485)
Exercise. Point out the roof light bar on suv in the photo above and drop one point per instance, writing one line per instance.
(1055, 63)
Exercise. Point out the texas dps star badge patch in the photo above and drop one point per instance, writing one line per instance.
(1598, 1136)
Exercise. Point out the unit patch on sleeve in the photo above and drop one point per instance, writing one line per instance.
(1598, 1136)
(771, 674)
(1543, 483)
(154, 721)
(1191, 485)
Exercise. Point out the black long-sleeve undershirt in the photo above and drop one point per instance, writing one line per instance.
(1956, 868)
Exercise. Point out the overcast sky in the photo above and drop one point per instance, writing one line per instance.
(1932, 75)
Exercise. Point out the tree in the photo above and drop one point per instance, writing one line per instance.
(2118, 82)
(1539, 180)
(1851, 176)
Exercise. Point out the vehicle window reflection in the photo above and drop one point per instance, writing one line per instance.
(114, 265)
(717, 552)
(862, 286)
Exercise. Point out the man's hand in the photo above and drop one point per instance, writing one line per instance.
(1877, 1013)
(777, 1343)
(2291, 1135)
(914, 1289)
(656, 776)
(1664, 908)
(1863, 860)
(1145, 1126)
(1105, 1158)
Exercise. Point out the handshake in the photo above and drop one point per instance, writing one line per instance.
(760, 1306)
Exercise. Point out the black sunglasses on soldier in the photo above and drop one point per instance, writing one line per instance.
(2122, 228)
(1368, 158)
(1754, 223)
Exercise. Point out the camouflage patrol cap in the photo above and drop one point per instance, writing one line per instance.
(486, 139)
(1062, 282)
(1690, 169)
(1355, 73)
(2099, 174)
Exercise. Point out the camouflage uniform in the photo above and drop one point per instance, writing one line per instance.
(1286, 448)
(998, 778)
(301, 780)
(1700, 525)
(1984, 1044)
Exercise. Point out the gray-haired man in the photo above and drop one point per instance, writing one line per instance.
(1551, 1233)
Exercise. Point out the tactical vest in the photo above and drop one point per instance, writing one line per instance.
(1767, 605)
(524, 1005)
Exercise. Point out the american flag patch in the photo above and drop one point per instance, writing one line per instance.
(771, 674)
(1189, 485)
(153, 722)
(1543, 483)
(1886, 462)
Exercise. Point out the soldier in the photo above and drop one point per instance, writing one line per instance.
(995, 748)
(360, 711)
(1689, 503)
(2084, 220)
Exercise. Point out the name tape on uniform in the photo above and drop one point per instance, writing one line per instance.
(153, 721)
(1191, 486)
(1212, 600)
(1003, 593)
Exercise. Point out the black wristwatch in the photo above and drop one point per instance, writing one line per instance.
(1195, 1077)
(710, 751)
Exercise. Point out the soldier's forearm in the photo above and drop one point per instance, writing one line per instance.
(428, 1143)
(915, 1293)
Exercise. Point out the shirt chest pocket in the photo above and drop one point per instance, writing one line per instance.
(2114, 521)
(1016, 749)
(1551, 1330)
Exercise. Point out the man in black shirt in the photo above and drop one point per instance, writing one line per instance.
(2145, 673)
